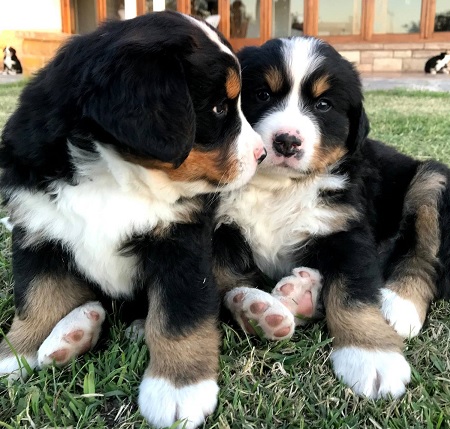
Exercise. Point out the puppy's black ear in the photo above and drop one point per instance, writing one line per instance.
(359, 128)
(143, 102)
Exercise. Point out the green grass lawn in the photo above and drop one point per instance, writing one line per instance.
(263, 384)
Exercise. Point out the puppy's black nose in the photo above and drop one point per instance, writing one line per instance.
(286, 144)
(262, 157)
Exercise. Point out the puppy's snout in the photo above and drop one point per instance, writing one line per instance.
(287, 142)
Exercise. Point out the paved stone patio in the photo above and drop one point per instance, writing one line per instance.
(10, 78)
(414, 81)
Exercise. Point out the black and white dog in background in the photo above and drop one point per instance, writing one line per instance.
(369, 222)
(11, 64)
(438, 64)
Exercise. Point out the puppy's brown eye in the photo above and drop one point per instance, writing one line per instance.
(323, 105)
(263, 96)
(220, 109)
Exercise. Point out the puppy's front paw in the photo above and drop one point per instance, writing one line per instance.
(372, 373)
(163, 404)
(253, 306)
(400, 313)
(300, 293)
(73, 335)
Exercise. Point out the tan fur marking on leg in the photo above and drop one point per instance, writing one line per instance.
(415, 289)
(184, 359)
(48, 300)
(228, 280)
(413, 278)
(358, 325)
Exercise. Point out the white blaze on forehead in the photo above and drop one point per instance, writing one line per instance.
(302, 58)
(211, 34)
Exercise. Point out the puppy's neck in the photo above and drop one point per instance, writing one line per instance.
(152, 184)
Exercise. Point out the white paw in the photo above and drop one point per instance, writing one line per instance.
(400, 313)
(300, 294)
(73, 335)
(372, 373)
(13, 367)
(136, 330)
(162, 404)
(253, 307)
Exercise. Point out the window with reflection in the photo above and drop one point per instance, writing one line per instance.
(206, 10)
(158, 5)
(397, 16)
(287, 18)
(84, 16)
(339, 18)
(115, 9)
(244, 19)
(442, 19)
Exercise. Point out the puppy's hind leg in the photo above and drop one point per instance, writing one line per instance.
(413, 269)
(300, 293)
(73, 335)
(238, 279)
(45, 292)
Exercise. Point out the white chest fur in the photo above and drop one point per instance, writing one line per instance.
(279, 216)
(9, 62)
(112, 201)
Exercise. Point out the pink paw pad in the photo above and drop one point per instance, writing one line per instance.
(93, 315)
(258, 312)
(299, 293)
(258, 307)
(73, 335)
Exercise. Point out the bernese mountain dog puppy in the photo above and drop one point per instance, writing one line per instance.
(11, 64)
(367, 221)
(108, 164)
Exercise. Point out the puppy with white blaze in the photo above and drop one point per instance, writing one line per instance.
(369, 223)
(109, 168)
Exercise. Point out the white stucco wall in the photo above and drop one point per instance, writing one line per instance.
(32, 15)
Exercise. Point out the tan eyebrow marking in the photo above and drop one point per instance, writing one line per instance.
(233, 83)
(320, 86)
(274, 79)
